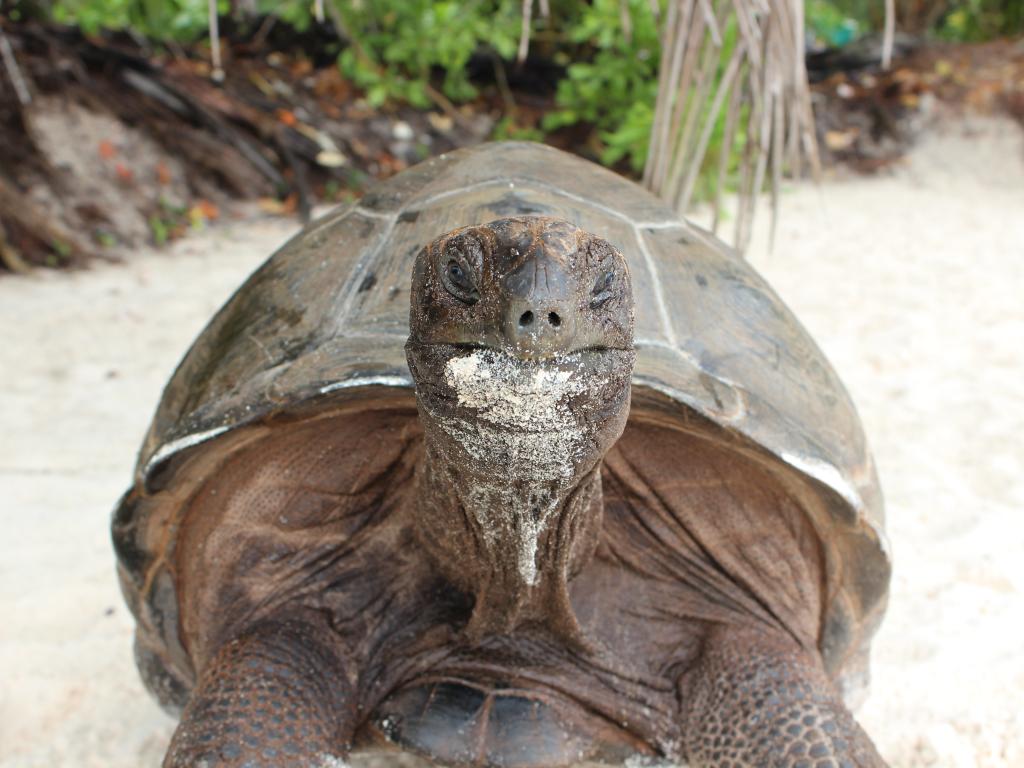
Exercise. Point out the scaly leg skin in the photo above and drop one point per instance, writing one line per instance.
(757, 700)
(277, 696)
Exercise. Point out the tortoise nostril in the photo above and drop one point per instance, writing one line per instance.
(554, 319)
(525, 319)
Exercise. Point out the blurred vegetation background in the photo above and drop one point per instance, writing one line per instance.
(695, 98)
(606, 52)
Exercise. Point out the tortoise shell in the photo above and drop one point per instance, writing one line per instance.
(323, 322)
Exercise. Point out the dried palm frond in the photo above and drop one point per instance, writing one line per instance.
(737, 65)
(217, 71)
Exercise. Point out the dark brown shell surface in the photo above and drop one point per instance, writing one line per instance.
(324, 320)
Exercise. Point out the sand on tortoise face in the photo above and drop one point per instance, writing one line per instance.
(911, 282)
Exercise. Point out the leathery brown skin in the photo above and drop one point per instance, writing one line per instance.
(521, 349)
(541, 315)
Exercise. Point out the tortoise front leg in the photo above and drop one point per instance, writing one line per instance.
(279, 695)
(757, 700)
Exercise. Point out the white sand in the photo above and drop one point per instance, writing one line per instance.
(912, 283)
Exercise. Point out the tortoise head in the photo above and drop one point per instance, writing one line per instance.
(535, 287)
(521, 348)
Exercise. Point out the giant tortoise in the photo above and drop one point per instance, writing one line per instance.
(506, 465)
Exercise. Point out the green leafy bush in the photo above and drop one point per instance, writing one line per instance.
(398, 44)
(835, 24)
(181, 20)
(612, 82)
(976, 20)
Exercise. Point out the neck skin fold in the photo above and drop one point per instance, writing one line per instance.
(508, 494)
(514, 557)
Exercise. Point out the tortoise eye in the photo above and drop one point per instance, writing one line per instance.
(456, 273)
(458, 283)
(603, 289)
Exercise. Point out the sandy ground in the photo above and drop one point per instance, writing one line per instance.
(912, 283)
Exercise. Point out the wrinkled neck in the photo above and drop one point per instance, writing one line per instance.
(509, 490)
(512, 540)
